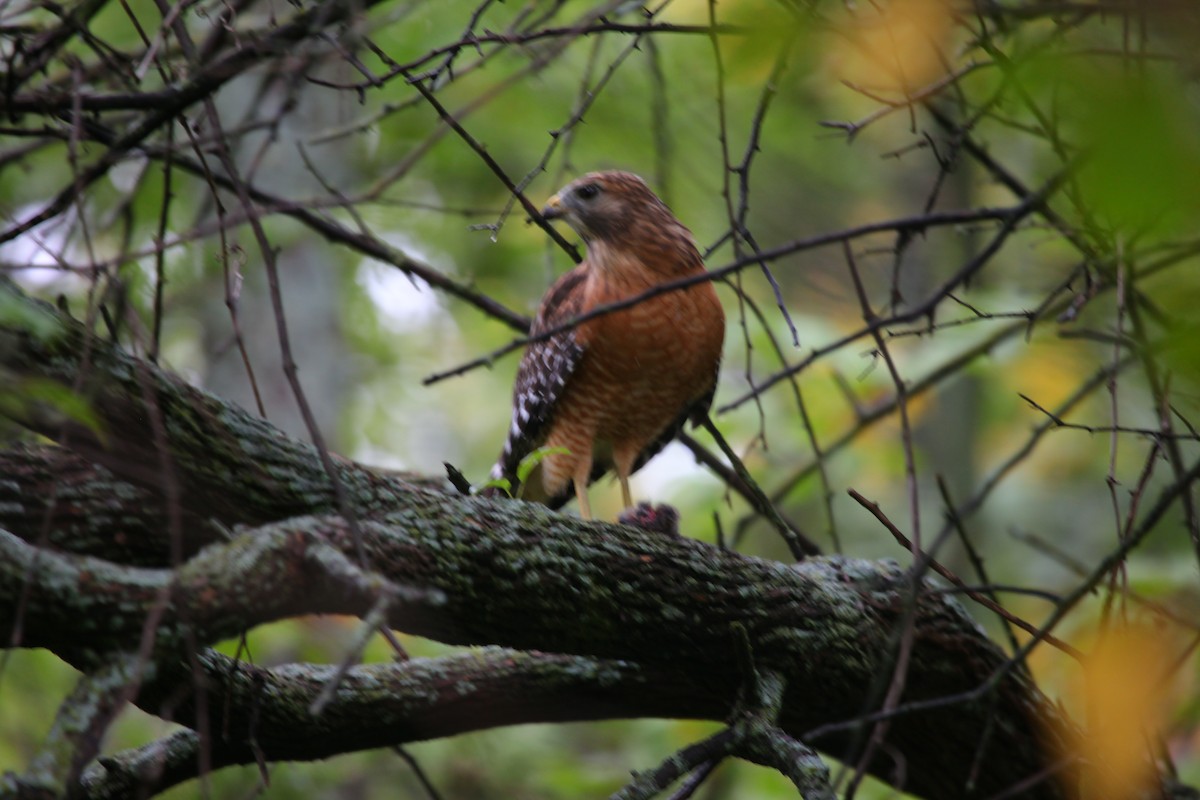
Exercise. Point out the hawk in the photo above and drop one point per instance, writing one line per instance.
(612, 391)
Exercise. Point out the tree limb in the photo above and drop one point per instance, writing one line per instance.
(477, 571)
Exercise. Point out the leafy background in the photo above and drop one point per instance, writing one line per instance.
(1111, 94)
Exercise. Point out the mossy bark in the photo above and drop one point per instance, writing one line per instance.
(640, 624)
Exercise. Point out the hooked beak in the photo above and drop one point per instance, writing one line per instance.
(554, 208)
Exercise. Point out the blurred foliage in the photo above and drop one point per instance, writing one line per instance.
(1113, 97)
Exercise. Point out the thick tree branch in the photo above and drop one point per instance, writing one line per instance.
(524, 577)
(55, 498)
(380, 705)
(478, 571)
(233, 467)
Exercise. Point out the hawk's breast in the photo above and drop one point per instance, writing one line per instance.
(646, 365)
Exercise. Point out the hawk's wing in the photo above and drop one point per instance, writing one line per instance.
(542, 377)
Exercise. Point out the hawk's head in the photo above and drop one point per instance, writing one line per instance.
(608, 206)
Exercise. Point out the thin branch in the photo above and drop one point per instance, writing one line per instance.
(920, 222)
(986, 602)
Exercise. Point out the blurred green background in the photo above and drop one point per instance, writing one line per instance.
(1116, 99)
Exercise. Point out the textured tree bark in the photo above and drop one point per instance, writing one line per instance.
(641, 624)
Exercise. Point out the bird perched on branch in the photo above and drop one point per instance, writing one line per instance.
(613, 390)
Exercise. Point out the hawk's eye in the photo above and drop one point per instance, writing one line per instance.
(588, 191)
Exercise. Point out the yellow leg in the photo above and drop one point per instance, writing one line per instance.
(585, 510)
(583, 471)
(623, 458)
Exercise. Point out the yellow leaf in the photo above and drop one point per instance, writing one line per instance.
(897, 51)
(1126, 688)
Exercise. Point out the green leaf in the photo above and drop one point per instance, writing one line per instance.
(503, 484)
(37, 397)
(18, 313)
(530, 462)
(1144, 151)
